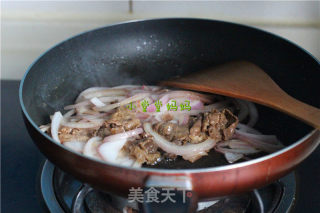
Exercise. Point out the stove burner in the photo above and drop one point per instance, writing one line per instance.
(64, 194)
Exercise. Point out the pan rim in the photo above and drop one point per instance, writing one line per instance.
(159, 170)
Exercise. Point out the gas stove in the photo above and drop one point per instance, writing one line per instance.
(29, 185)
(63, 193)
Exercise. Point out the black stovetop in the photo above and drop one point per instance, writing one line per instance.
(21, 161)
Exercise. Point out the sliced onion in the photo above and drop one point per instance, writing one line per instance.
(188, 95)
(83, 125)
(136, 164)
(233, 157)
(259, 144)
(235, 144)
(93, 117)
(272, 139)
(88, 102)
(95, 101)
(109, 151)
(105, 92)
(196, 105)
(150, 88)
(244, 128)
(80, 104)
(187, 151)
(246, 151)
(55, 124)
(45, 128)
(90, 149)
(181, 118)
(126, 87)
(247, 108)
(135, 92)
(112, 99)
(76, 146)
(217, 105)
(164, 99)
(243, 107)
(127, 161)
(253, 114)
(143, 116)
(151, 108)
(134, 98)
(192, 158)
(69, 114)
(123, 135)
(87, 91)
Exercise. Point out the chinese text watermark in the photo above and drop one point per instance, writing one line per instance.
(158, 195)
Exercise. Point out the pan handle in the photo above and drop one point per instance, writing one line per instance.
(169, 194)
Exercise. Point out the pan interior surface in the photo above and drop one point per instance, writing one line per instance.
(146, 52)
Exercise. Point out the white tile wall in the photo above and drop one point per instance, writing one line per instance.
(29, 28)
(288, 12)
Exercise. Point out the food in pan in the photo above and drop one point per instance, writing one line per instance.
(135, 125)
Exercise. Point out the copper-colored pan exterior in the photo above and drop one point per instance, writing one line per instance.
(207, 183)
(167, 47)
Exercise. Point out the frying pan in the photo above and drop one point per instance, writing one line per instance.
(148, 51)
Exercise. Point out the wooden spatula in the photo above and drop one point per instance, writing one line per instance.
(247, 81)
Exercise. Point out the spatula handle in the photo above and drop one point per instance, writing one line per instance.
(299, 110)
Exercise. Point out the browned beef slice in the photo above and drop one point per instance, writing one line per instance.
(219, 125)
(103, 131)
(143, 150)
(196, 135)
(173, 132)
(165, 129)
(122, 120)
(75, 134)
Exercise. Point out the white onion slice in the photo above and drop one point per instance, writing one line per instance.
(83, 125)
(196, 105)
(247, 151)
(244, 128)
(136, 164)
(123, 135)
(80, 104)
(76, 146)
(235, 144)
(127, 161)
(90, 149)
(272, 139)
(93, 117)
(105, 92)
(95, 101)
(232, 157)
(253, 114)
(189, 95)
(68, 114)
(244, 111)
(88, 102)
(109, 151)
(150, 88)
(45, 128)
(151, 108)
(218, 105)
(86, 91)
(187, 151)
(126, 87)
(261, 143)
(134, 98)
(55, 124)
